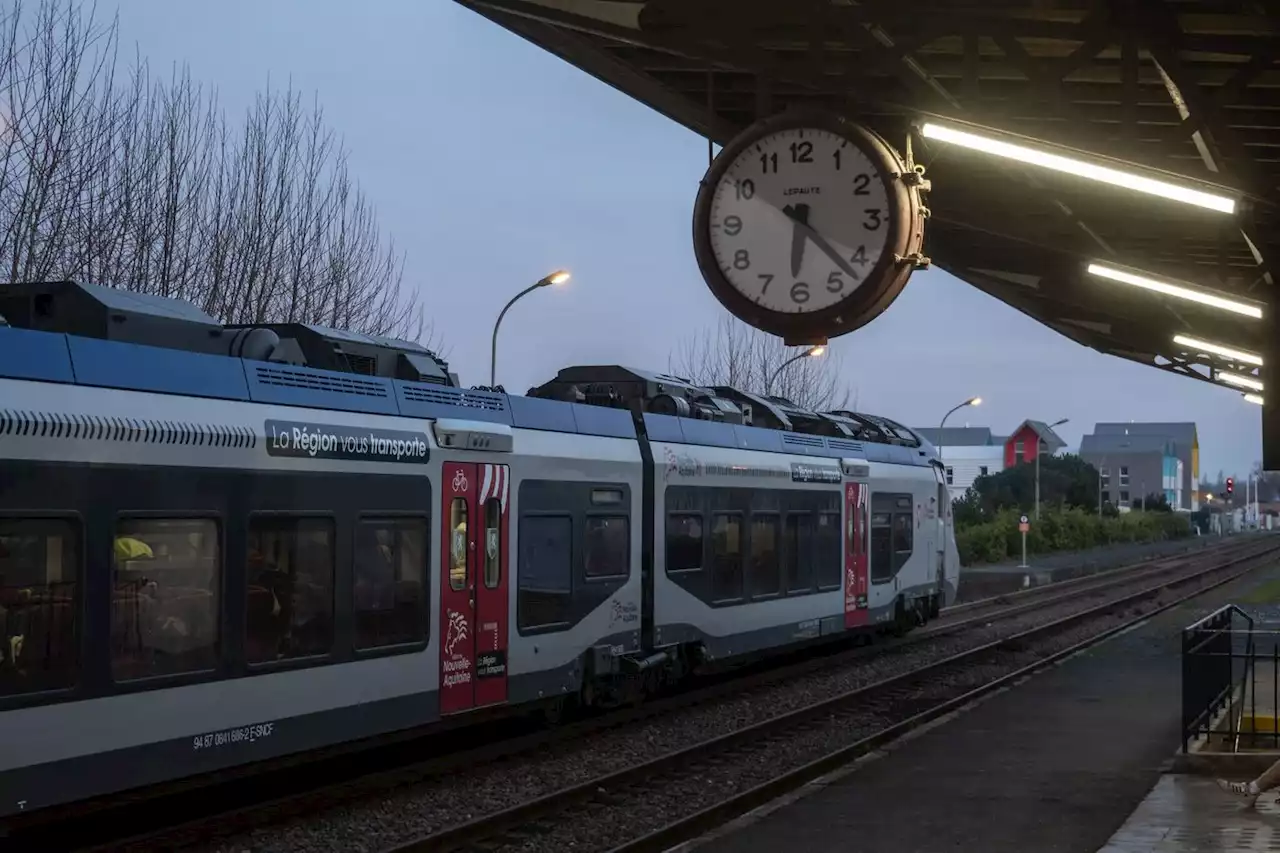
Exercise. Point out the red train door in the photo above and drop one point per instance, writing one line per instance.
(473, 586)
(491, 586)
(855, 555)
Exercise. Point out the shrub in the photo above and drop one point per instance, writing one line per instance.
(1059, 529)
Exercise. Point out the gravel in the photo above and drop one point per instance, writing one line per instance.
(372, 824)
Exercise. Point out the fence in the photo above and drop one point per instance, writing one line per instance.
(1230, 682)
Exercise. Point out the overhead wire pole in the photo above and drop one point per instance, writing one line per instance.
(1051, 426)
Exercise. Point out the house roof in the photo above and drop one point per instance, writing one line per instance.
(1096, 445)
(1183, 433)
(1051, 439)
(956, 436)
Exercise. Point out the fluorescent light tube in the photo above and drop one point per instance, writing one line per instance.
(1235, 355)
(1238, 380)
(1253, 398)
(1176, 290)
(1080, 168)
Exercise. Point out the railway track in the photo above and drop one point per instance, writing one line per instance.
(334, 787)
(712, 781)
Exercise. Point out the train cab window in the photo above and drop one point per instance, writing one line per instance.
(828, 551)
(389, 581)
(903, 530)
(797, 553)
(289, 574)
(39, 597)
(608, 547)
(545, 571)
(684, 542)
(492, 543)
(166, 578)
(762, 573)
(459, 553)
(881, 547)
(726, 557)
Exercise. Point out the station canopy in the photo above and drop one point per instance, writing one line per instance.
(1186, 92)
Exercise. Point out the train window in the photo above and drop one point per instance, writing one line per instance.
(881, 547)
(289, 574)
(763, 575)
(798, 553)
(903, 529)
(389, 579)
(166, 578)
(492, 543)
(726, 556)
(608, 547)
(39, 599)
(545, 570)
(828, 551)
(459, 553)
(684, 542)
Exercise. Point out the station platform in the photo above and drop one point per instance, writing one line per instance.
(1057, 764)
(1189, 814)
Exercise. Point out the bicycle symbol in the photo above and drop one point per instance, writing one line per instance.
(459, 482)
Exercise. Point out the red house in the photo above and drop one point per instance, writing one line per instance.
(1027, 440)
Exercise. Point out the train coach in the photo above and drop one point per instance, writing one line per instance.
(227, 545)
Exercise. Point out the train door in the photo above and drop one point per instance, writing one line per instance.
(492, 586)
(473, 586)
(856, 579)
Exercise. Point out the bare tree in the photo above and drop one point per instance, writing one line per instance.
(733, 353)
(144, 184)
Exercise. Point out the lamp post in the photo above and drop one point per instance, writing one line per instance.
(1051, 426)
(972, 401)
(811, 352)
(557, 277)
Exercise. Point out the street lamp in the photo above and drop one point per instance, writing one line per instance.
(557, 277)
(972, 401)
(1051, 426)
(811, 352)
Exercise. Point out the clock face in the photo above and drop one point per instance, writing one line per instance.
(798, 220)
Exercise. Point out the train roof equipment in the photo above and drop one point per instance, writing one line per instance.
(85, 334)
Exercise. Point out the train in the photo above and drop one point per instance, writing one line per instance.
(225, 545)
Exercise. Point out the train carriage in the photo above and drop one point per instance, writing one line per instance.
(222, 545)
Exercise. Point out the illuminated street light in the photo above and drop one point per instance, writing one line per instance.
(1254, 398)
(1181, 292)
(557, 277)
(1238, 380)
(1235, 355)
(986, 142)
(972, 401)
(811, 352)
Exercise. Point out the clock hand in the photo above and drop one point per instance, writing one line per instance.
(829, 251)
(799, 215)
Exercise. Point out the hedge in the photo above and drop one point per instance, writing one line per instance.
(1071, 529)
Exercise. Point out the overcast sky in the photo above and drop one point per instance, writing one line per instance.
(493, 163)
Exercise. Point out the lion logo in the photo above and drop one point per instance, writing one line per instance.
(455, 631)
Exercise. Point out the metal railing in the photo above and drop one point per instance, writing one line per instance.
(1230, 682)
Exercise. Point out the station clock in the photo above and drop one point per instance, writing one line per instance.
(808, 225)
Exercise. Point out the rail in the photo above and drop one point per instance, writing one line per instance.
(1230, 682)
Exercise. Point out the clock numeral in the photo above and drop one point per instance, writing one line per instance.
(733, 225)
(800, 292)
(836, 154)
(801, 152)
(861, 184)
(741, 260)
(769, 161)
(835, 282)
(746, 188)
(767, 279)
(860, 257)
(873, 220)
